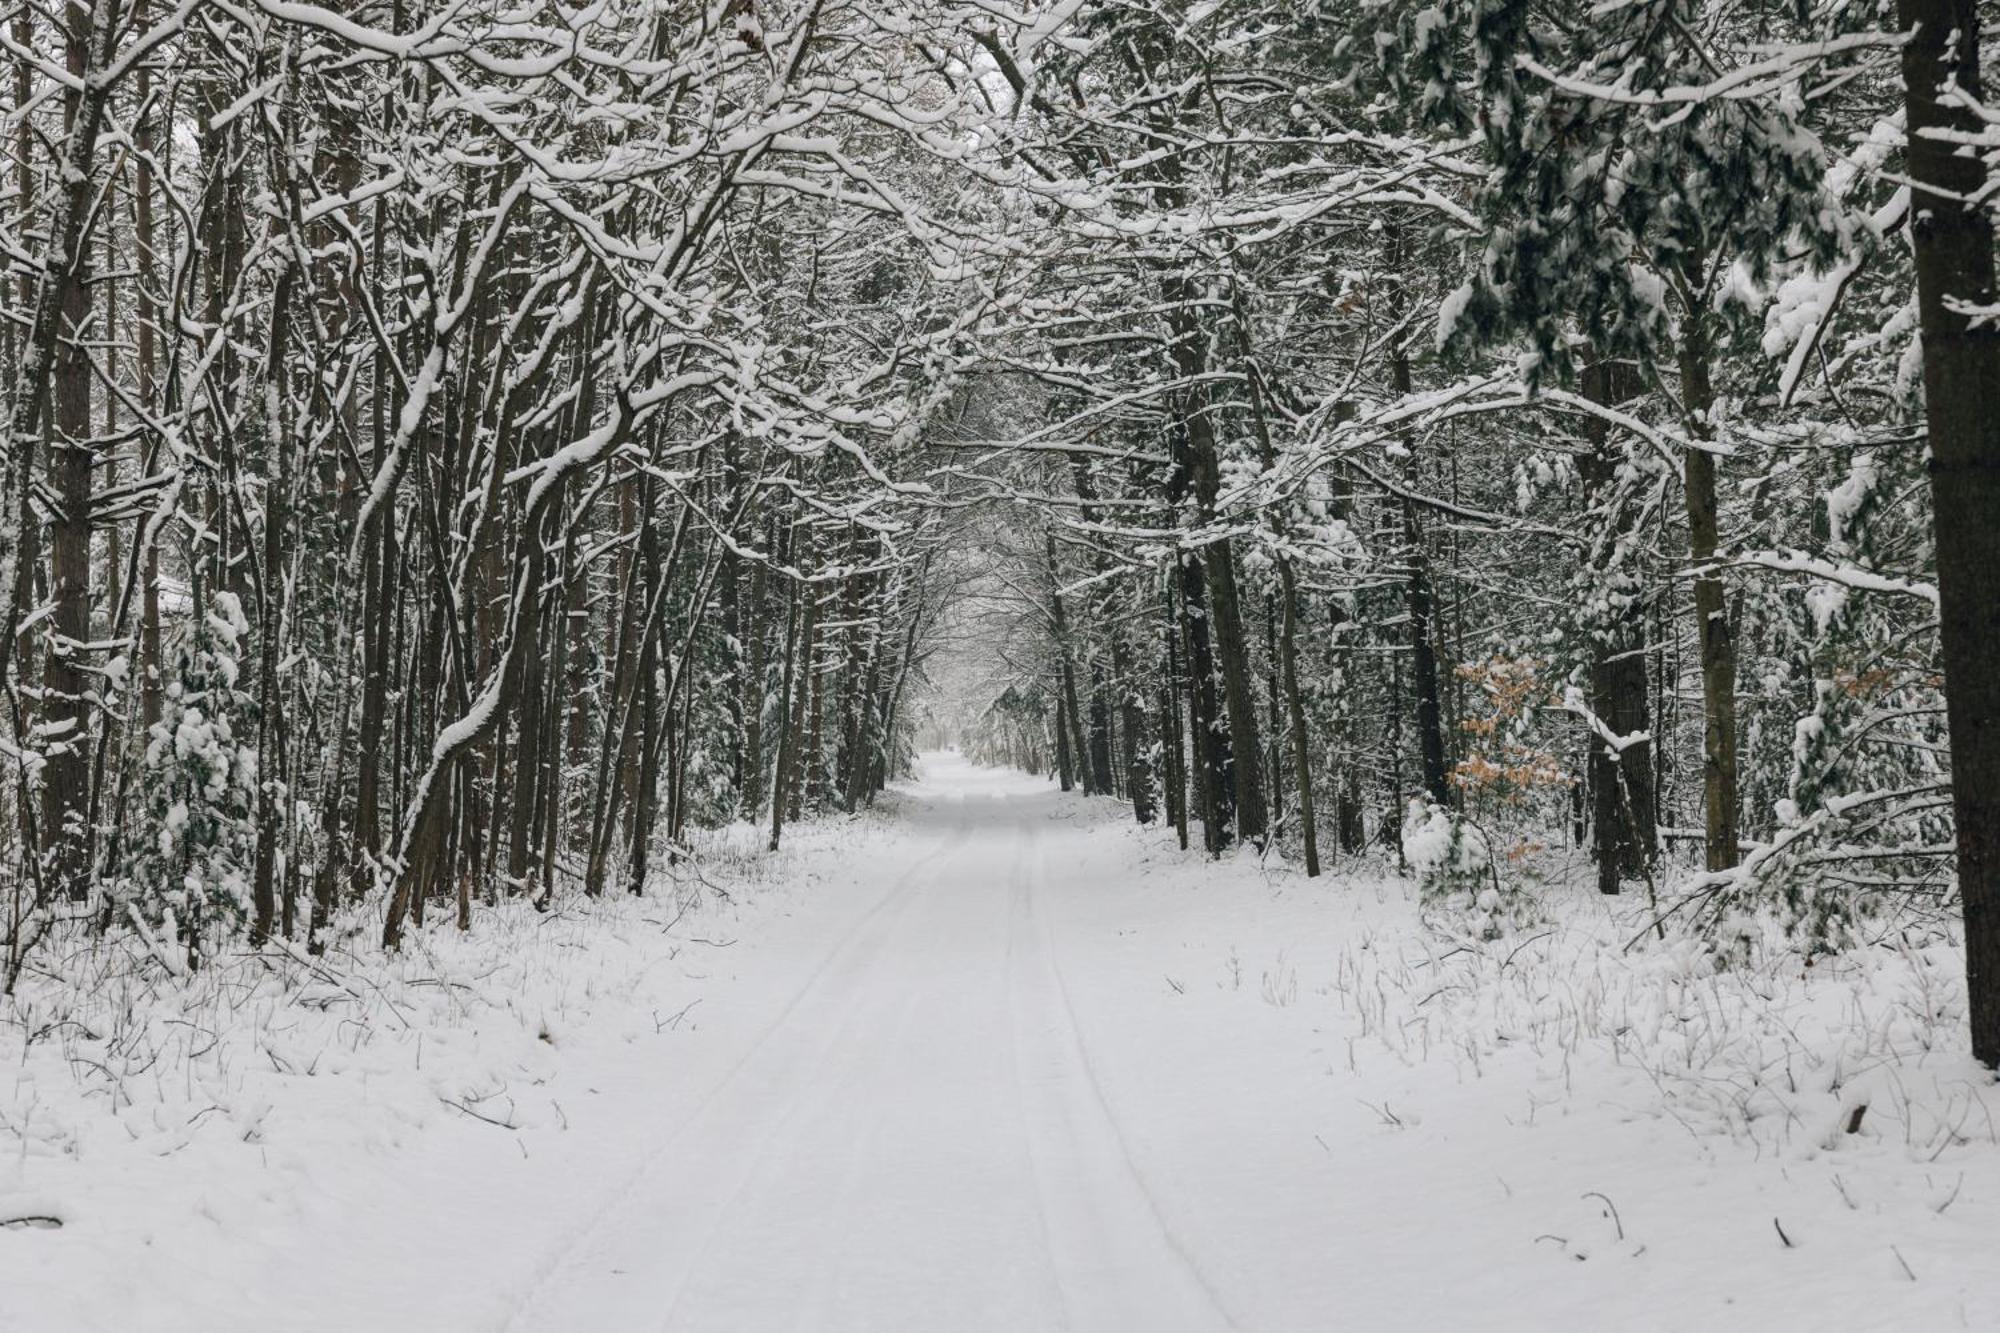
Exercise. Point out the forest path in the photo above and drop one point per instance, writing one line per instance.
(993, 1060)
(920, 1140)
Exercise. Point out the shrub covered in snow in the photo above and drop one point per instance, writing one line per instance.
(1449, 855)
(198, 787)
(1457, 872)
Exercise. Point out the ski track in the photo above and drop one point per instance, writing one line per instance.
(918, 1141)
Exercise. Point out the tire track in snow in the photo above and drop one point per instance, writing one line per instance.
(810, 1206)
(992, 1188)
(1019, 931)
(828, 1265)
(1122, 1218)
(813, 1093)
(850, 956)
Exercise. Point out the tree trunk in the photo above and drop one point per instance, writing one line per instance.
(781, 772)
(378, 577)
(1713, 630)
(1423, 651)
(1214, 774)
(53, 352)
(1068, 711)
(1287, 655)
(812, 769)
(1296, 714)
(1173, 745)
(72, 465)
(646, 790)
(1065, 768)
(270, 620)
(1623, 838)
(754, 687)
(1954, 260)
(1100, 732)
(1137, 754)
(1232, 653)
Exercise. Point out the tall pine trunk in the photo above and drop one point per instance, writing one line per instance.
(1623, 836)
(1954, 254)
(1422, 610)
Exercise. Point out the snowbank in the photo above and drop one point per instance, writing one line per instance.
(1370, 1124)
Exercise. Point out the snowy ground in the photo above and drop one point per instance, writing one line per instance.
(1001, 1063)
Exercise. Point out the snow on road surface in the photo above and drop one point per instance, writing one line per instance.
(1002, 1063)
(919, 1142)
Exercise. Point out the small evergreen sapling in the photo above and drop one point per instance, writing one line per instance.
(200, 780)
(1456, 871)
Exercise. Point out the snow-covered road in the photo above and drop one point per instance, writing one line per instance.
(918, 1141)
(1050, 1073)
(995, 1060)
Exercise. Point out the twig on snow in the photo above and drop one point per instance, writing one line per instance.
(460, 1106)
(1610, 1208)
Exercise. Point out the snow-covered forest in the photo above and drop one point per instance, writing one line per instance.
(521, 520)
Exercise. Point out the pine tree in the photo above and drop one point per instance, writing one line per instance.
(192, 874)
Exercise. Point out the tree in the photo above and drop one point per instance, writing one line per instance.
(1956, 299)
